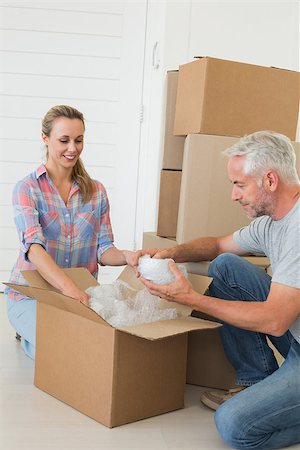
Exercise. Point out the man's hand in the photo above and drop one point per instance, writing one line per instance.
(178, 291)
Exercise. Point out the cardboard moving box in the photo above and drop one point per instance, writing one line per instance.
(173, 145)
(205, 205)
(228, 98)
(170, 181)
(115, 376)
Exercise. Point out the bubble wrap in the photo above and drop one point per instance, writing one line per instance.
(120, 305)
(157, 270)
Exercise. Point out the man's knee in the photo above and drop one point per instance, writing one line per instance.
(236, 426)
(229, 425)
(223, 263)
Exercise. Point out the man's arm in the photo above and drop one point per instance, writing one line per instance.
(202, 249)
(273, 316)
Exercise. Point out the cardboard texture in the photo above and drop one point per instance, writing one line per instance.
(228, 98)
(207, 364)
(170, 181)
(205, 205)
(114, 376)
(173, 145)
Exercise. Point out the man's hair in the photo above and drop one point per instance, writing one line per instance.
(267, 150)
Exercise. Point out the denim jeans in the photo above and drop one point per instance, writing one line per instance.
(22, 316)
(249, 353)
(266, 415)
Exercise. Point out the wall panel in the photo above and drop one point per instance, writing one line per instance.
(86, 54)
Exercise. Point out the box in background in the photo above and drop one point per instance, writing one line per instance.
(228, 98)
(207, 364)
(170, 181)
(115, 376)
(205, 205)
(173, 145)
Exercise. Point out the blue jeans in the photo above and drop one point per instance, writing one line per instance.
(22, 316)
(266, 415)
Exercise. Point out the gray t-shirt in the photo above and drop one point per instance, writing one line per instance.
(279, 240)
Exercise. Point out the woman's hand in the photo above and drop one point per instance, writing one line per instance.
(178, 291)
(153, 252)
(132, 258)
(76, 293)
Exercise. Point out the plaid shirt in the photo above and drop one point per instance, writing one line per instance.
(75, 235)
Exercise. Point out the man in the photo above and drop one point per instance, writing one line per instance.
(264, 411)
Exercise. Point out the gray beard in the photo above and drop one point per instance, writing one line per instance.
(264, 207)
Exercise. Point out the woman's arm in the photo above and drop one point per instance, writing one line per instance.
(52, 273)
(115, 257)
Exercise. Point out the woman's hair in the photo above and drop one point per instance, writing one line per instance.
(79, 174)
(266, 150)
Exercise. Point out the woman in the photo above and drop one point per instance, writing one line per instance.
(62, 218)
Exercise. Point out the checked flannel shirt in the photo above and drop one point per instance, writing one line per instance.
(75, 235)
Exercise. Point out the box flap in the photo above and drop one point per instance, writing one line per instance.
(58, 300)
(45, 293)
(128, 276)
(26, 290)
(80, 275)
(168, 328)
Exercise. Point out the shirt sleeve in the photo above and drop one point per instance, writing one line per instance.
(287, 268)
(248, 238)
(26, 218)
(105, 235)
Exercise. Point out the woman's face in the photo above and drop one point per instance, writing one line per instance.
(65, 142)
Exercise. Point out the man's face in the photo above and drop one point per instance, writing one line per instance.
(255, 200)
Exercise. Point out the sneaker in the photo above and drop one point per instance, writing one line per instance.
(213, 399)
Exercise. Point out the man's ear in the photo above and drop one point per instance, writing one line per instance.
(271, 180)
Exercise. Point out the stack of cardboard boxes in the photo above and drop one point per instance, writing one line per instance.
(210, 104)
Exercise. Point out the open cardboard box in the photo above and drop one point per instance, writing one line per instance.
(115, 376)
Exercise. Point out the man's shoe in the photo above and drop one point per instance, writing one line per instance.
(213, 399)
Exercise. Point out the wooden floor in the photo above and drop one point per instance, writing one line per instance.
(33, 420)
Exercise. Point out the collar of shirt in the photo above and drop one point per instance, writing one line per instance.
(41, 170)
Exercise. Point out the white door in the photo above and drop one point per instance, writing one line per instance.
(90, 56)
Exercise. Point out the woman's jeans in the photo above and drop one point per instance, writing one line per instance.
(266, 415)
(22, 316)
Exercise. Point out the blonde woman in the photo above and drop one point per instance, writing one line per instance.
(62, 218)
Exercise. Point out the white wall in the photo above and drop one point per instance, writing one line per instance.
(89, 55)
(258, 32)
